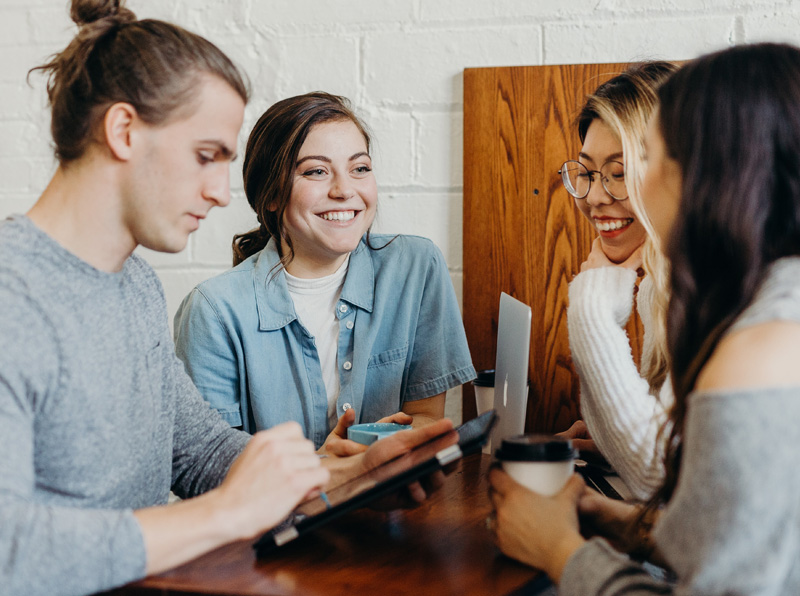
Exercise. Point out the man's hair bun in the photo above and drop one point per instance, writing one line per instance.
(85, 12)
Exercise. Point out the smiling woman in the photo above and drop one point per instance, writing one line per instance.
(724, 173)
(333, 199)
(623, 407)
(320, 321)
(605, 203)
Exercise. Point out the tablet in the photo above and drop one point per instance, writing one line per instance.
(387, 478)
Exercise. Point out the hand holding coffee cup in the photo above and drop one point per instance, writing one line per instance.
(541, 463)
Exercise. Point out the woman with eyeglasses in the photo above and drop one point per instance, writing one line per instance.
(623, 407)
(722, 189)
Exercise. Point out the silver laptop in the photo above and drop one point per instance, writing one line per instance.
(511, 368)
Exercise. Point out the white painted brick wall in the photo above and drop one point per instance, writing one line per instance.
(400, 61)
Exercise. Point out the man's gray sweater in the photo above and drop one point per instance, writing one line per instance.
(97, 418)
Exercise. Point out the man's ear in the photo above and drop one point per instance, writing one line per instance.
(117, 129)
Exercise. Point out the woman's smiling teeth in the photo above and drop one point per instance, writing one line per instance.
(609, 225)
(338, 215)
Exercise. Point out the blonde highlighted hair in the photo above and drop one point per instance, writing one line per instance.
(625, 104)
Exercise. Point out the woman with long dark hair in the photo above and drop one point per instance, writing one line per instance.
(321, 321)
(723, 192)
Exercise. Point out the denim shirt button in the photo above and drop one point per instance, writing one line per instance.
(342, 308)
(347, 365)
(350, 324)
(346, 407)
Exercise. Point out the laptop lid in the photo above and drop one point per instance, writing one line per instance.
(511, 368)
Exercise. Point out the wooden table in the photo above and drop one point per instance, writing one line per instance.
(442, 547)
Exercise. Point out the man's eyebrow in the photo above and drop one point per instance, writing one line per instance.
(317, 157)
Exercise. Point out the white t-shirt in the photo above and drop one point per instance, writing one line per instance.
(315, 304)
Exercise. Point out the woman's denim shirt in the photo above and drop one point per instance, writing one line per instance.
(401, 338)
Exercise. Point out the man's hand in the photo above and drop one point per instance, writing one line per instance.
(276, 471)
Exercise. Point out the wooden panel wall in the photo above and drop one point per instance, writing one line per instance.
(522, 232)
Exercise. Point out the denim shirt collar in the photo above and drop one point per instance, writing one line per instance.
(274, 303)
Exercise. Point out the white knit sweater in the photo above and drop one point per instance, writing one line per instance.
(621, 411)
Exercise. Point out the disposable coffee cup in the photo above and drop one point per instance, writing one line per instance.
(542, 463)
(484, 390)
(484, 397)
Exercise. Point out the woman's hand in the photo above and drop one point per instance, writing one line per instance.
(380, 452)
(597, 258)
(578, 433)
(614, 520)
(338, 445)
(385, 450)
(540, 531)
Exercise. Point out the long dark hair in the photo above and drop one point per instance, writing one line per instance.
(150, 64)
(731, 121)
(269, 164)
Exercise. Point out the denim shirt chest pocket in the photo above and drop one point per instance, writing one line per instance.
(386, 372)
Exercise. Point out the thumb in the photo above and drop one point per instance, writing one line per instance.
(573, 489)
(345, 421)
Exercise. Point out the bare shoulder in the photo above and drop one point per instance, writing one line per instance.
(765, 355)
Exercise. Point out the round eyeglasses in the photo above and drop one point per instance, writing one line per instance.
(577, 179)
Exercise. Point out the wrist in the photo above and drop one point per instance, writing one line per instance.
(343, 469)
(226, 519)
(562, 553)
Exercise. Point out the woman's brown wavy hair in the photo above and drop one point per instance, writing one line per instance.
(269, 164)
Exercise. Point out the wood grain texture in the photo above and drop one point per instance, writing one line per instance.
(522, 232)
(442, 547)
